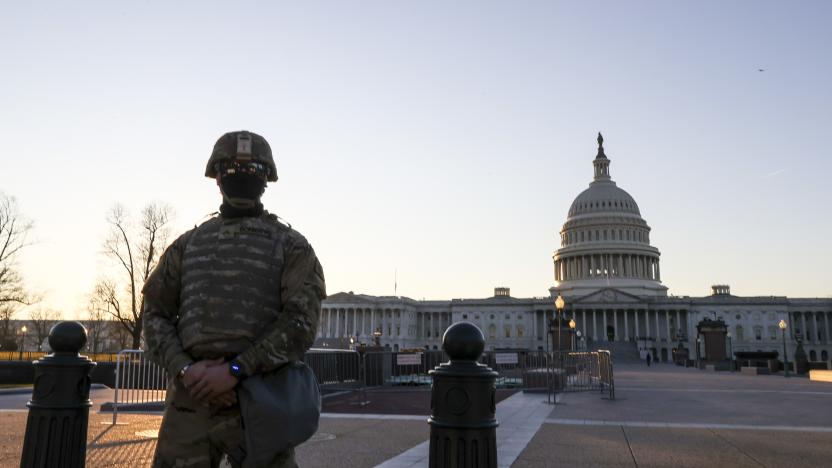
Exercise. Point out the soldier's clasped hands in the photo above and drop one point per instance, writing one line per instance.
(209, 382)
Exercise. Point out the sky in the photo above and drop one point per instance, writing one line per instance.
(431, 147)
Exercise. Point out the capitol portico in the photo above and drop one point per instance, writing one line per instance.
(610, 276)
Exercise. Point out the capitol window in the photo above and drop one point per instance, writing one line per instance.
(758, 333)
(520, 331)
(507, 330)
(492, 331)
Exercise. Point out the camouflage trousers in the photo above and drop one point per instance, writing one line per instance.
(193, 435)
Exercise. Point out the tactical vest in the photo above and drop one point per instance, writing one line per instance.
(230, 287)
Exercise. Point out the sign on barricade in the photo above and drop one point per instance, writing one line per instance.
(506, 358)
(414, 359)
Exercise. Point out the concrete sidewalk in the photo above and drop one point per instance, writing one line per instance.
(667, 416)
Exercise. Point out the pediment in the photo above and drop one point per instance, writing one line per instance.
(348, 298)
(609, 295)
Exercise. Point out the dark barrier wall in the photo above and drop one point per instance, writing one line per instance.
(20, 372)
(17, 372)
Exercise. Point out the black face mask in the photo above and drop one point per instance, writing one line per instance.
(242, 191)
(244, 186)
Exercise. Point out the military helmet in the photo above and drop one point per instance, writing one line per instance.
(242, 147)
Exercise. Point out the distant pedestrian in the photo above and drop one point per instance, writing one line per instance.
(649, 358)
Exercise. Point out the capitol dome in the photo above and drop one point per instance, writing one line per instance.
(605, 243)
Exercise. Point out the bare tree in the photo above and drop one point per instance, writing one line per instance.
(97, 322)
(14, 230)
(135, 249)
(8, 342)
(42, 320)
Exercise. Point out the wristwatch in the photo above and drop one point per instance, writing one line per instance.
(183, 370)
(236, 370)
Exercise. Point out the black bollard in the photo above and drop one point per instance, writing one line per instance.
(463, 423)
(56, 431)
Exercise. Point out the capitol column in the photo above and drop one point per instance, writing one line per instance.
(803, 325)
(810, 322)
(594, 326)
(337, 323)
(604, 331)
(626, 326)
(658, 332)
(636, 326)
(583, 316)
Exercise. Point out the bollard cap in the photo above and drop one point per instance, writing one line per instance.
(67, 337)
(463, 341)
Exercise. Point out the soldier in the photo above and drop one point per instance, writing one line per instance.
(236, 296)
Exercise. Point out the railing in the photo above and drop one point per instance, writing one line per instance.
(529, 370)
(137, 380)
(334, 367)
(605, 372)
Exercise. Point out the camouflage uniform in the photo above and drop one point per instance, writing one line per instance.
(247, 289)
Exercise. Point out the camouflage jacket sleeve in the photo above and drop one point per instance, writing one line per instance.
(160, 309)
(302, 289)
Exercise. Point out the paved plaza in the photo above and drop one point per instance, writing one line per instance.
(663, 416)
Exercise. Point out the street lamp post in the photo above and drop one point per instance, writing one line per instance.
(559, 304)
(377, 337)
(580, 340)
(23, 331)
(730, 352)
(783, 325)
(572, 326)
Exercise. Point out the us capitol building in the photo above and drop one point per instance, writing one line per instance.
(610, 277)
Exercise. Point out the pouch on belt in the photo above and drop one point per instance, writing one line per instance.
(280, 410)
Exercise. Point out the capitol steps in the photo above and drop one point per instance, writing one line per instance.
(623, 352)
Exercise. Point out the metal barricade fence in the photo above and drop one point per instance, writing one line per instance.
(137, 380)
(334, 367)
(605, 372)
